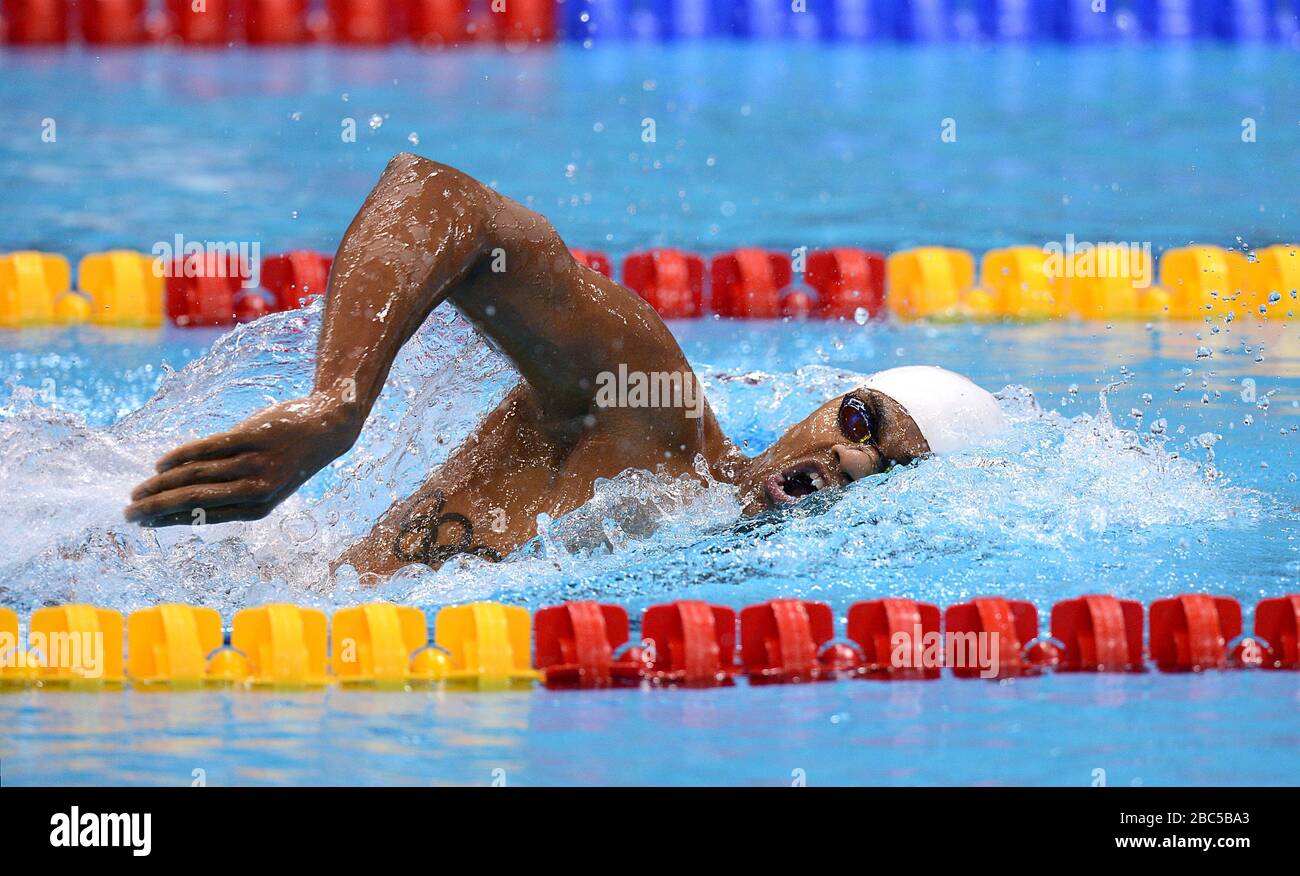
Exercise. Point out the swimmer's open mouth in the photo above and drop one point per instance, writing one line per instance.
(798, 481)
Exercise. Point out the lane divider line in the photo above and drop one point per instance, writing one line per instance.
(1107, 282)
(488, 646)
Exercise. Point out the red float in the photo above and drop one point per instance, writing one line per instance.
(781, 641)
(576, 643)
(36, 22)
(201, 291)
(1191, 632)
(1099, 634)
(250, 306)
(690, 643)
(797, 305)
(672, 281)
(276, 22)
(1002, 628)
(899, 638)
(201, 22)
(294, 277)
(438, 22)
(525, 21)
(747, 283)
(597, 261)
(846, 280)
(113, 22)
(1277, 622)
(363, 22)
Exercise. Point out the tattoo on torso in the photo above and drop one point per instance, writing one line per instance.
(417, 538)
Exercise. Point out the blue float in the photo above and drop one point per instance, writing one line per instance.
(932, 20)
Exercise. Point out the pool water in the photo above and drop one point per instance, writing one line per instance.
(1147, 460)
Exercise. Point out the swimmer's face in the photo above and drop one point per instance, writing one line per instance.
(849, 437)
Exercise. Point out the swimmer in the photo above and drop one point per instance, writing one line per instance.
(428, 233)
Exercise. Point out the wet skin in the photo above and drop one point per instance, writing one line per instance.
(426, 234)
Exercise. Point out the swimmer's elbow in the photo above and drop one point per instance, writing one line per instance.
(457, 182)
(408, 161)
(500, 222)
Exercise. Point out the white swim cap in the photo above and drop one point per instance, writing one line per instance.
(951, 412)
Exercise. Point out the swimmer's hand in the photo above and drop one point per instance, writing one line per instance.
(244, 473)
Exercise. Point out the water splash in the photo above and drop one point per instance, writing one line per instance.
(1059, 499)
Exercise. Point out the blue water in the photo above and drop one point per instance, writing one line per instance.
(1182, 478)
(756, 144)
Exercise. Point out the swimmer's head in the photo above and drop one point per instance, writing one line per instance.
(895, 417)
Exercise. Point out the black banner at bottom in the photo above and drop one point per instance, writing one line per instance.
(325, 824)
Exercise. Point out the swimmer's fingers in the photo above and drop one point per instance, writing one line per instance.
(216, 471)
(205, 496)
(223, 444)
(227, 514)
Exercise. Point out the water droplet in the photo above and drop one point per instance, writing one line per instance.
(1203, 353)
(376, 121)
(860, 316)
(413, 138)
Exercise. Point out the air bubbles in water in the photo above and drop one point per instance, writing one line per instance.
(299, 528)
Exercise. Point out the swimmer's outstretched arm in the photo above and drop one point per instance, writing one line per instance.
(425, 234)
